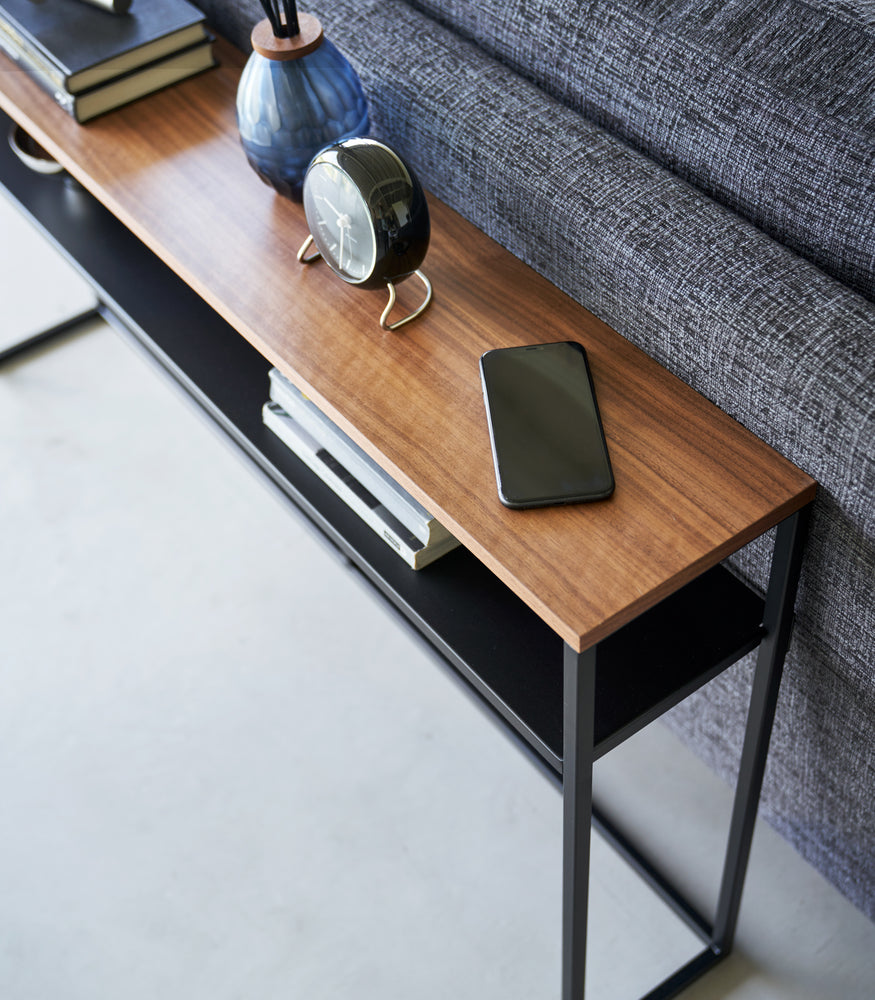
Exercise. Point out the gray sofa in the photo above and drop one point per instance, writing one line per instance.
(702, 177)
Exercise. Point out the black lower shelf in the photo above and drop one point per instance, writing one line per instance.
(501, 648)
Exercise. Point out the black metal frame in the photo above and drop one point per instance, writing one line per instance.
(565, 708)
(579, 811)
(43, 336)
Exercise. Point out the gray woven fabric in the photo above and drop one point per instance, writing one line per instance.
(766, 334)
(767, 105)
(820, 772)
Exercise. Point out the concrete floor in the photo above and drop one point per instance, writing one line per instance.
(225, 772)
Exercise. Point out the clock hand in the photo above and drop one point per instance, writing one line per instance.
(328, 203)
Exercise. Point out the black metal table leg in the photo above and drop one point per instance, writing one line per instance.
(579, 699)
(778, 621)
(38, 338)
(579, 715)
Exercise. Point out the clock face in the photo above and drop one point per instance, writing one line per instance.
(340, 222)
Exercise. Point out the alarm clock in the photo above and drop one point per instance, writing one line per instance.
(368, 218)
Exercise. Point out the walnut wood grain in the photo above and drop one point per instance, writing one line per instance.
(692, 484)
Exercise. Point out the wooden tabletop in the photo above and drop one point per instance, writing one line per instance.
(692, 484)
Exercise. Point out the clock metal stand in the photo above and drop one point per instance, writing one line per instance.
(306, 258)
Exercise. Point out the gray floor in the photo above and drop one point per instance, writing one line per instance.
(225, 772)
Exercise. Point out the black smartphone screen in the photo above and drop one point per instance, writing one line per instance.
(547, 439)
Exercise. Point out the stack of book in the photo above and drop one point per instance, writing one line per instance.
(367, 489)
(92, 59)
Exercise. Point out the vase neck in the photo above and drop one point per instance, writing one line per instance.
(308, 39)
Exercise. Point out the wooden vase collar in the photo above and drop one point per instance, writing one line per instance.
(308, 39)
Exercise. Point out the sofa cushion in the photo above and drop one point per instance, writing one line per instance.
(757, 329)
(766, 105)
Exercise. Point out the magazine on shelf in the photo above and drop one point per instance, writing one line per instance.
(376, 480)
(318, 459)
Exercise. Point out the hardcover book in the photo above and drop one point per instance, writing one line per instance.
(76, 46)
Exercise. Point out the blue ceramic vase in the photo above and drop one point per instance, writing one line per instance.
(296, 95)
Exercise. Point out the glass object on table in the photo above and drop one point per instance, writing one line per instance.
(297, 94)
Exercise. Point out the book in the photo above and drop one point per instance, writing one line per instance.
(78, 46)
(375, 479)
(416, 553)
(124, 89)
(116, 6)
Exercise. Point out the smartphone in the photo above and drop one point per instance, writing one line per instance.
(548, 444)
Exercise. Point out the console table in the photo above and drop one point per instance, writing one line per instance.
(575, 626)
